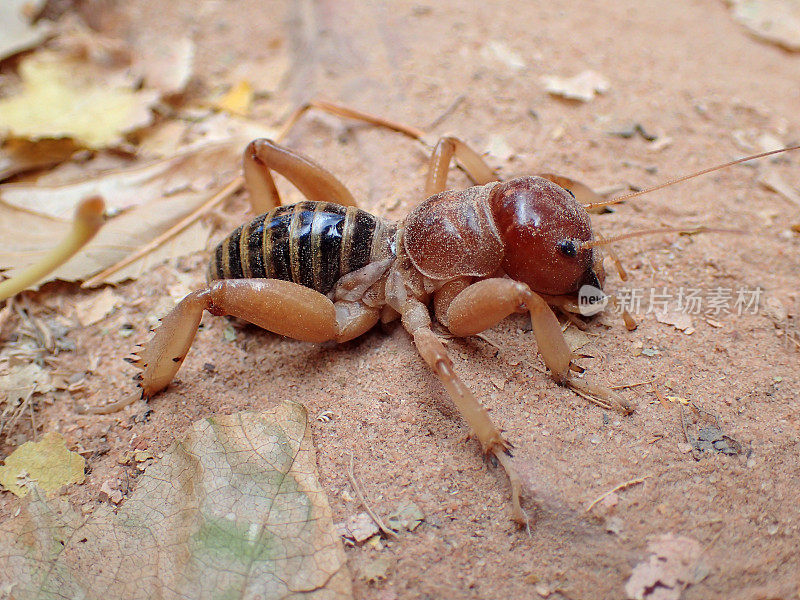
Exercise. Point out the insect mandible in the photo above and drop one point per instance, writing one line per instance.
(323, 270)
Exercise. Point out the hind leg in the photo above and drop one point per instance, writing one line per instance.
(263, 156)
(282, 307)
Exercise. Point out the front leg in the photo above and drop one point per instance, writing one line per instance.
(485, 303)
(282, 307)
(416, 321)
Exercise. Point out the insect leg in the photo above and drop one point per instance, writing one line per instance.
(417, 321)
(350, 113)
(316, 183)
(439, 165)
(487, 302)
(443, 152)
(282, 307)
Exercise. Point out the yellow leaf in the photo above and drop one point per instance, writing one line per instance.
(684, 401)
(238, 100)
(62, 97)
(49, 464)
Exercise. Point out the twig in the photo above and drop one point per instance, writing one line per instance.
(33, 421)
(623, 386)
(447, 112)
(621, 486)
(357, 488)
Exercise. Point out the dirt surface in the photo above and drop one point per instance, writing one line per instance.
(685, 71)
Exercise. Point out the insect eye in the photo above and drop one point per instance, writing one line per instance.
(567, 248)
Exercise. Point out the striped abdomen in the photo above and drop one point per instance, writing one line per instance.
(310, 243)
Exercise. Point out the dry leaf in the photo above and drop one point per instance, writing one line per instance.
(775, 21)
(197, 170)
(500, 51)
(21, 381)
(164, 63)
(148, 200)
(358, 528)
(48, 464)
(576, 338)
(19, 155)
(96, 307)
(679, 320)
(238, 100)
(18, 33)
(173, 137)
(67, 97)
(672, 566)
(772, 180)
(408, 516)
(584, 86)
(234, 510)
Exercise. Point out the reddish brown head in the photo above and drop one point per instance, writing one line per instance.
(542, 227)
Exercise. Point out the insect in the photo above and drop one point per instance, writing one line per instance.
(322, 270)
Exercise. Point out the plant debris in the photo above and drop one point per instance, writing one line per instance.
(143, 201)
(774, 21)
(583, 87)
(703, 433)
(234, 509)
(674, 564)
(358, 528)
(681, 321)
(20, 33)
(68, 97)
(47, 464)
(408, 516)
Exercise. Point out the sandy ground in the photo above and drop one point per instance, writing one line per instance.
(683, 70)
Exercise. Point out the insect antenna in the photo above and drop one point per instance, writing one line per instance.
(601, 241)
(687, 177)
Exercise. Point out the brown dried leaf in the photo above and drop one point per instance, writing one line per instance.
(96, 307)
(775, 21)
(576, 339)
(20, 155)
(358, 528)
(672, 566)
(147, 201)
(233, 510)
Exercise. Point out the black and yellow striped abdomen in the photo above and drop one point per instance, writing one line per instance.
(310, 243)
